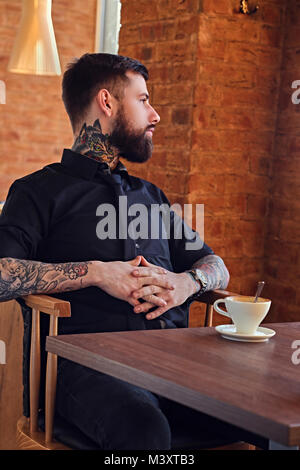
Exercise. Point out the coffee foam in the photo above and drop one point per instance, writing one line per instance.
(246, 298)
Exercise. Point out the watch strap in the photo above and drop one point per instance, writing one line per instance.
(194, 277)
(201, 282)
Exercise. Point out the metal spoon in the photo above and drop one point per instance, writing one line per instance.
(260, 287)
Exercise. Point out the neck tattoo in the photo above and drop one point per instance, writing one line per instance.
(94, 144)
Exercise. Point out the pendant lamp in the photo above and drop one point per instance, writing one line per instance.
(35, 50)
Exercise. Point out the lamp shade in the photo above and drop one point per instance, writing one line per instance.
(35, 50)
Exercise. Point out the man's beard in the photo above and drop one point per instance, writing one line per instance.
(134, 146)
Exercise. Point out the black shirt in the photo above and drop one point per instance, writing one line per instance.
(52, 216)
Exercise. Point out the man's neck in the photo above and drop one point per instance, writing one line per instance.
(94, 144)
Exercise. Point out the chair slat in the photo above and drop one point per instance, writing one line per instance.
(35, 369)
(51, 379)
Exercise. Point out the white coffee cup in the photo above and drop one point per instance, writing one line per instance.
(244, 312)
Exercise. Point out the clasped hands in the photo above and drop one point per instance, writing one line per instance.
(138, 279)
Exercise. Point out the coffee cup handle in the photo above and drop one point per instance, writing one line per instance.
(220, 310)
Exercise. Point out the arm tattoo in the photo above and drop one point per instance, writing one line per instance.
(216, 271)
(93, 143)
(23, 277)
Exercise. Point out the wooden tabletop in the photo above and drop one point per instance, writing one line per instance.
(255, 386)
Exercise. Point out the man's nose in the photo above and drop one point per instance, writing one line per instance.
(155, 117)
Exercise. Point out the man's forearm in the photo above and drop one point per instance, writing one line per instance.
(215, 270)
(23, 277)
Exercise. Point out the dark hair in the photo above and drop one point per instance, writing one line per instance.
(86, 76)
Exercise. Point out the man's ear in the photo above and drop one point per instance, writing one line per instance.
(105, 102)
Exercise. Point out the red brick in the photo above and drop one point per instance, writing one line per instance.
(178, 159)
(214, 51)
(290, 231)
(288, 164)
(269, 57)
(183, 72)
(205, 141)
(243, 97)
(257, 206)
(178, 51)
(172, 94)
(222, 7)
(207, 95)
(171, 8)
(270, 36)
(260, 164)
(285, 253)
(150, 32)
(130, 35)
(135, 11)
(286, 187)
(227, 28)
(227, 75)
(241, 53)
(205, 185)
(272, 14)
(172, 136)
(221, 163)
(181, 116)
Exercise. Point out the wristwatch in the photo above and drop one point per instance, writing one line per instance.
(201, 278)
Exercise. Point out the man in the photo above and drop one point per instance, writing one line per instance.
(51, 243)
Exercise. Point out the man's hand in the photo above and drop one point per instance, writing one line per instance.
(116, 278)
(184, 287)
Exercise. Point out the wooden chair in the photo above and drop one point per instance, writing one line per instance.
(29, 434)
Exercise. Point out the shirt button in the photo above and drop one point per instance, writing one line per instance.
(137, 245)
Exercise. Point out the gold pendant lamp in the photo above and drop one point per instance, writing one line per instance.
(35, 50)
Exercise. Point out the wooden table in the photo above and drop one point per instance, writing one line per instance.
(255, 386)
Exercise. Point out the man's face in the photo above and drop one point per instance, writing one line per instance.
(135, 121)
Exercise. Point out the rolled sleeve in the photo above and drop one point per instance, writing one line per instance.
(188, 248)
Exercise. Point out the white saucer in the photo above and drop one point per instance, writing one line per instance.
(229, 332)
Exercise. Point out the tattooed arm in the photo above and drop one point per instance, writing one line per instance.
(23, 277)
(216, 272)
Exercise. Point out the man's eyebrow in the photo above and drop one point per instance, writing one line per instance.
(144, 94)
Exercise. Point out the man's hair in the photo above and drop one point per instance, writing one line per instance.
(84, 78)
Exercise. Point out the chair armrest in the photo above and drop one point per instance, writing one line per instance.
(211, 296)
(47, 304)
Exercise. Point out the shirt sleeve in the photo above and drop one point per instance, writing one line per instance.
(21, 223)
(186, 245)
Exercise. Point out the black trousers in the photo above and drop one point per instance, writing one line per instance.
(117, 415)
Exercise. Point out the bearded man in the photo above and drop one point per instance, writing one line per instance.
(50, 244)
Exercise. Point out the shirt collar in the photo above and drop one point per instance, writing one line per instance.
(87, 167)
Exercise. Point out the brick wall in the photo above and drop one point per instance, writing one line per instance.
(283, 236)
(34, 126)
(239, 59)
